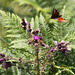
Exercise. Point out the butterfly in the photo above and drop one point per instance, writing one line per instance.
(56, 16)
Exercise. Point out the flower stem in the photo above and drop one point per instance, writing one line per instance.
(61, 31)
(37, 55)
(52, 65)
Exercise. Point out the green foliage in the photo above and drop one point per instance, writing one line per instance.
(12, 24)
(13, 39)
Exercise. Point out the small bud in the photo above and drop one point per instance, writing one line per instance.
(59, 44)
(55, 43)
(30, 41)
(7, 64)
(2, 55)
(29, 27)
(52, 50)
(68, 48)
(56, 48)
(67, 43)
(24, 24)
(41, 38)
(41, 43)
(20, 59)
(62, 41)
(36, 44)
(63, 45)
(46, 46)
(35, 32)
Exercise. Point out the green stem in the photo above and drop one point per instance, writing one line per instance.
(52, 67)
(37, 55)
(61, 31)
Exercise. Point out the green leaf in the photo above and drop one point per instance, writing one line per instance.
(19, 41)
(14, 35)
(32, 23)
(59, 71)
(36, 22)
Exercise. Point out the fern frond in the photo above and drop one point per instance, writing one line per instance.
(14, 31)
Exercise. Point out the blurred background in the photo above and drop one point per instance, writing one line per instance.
(29, 8)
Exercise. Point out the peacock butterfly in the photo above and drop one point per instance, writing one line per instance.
(55, 15)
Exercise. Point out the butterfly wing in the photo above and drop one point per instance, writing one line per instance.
(55, 14)
(62, 20)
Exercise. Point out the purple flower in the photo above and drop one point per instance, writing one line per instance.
(36, 37)
(1, 60)
(2, 55)
(62, 47)
(7, 64)
(52, 50)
